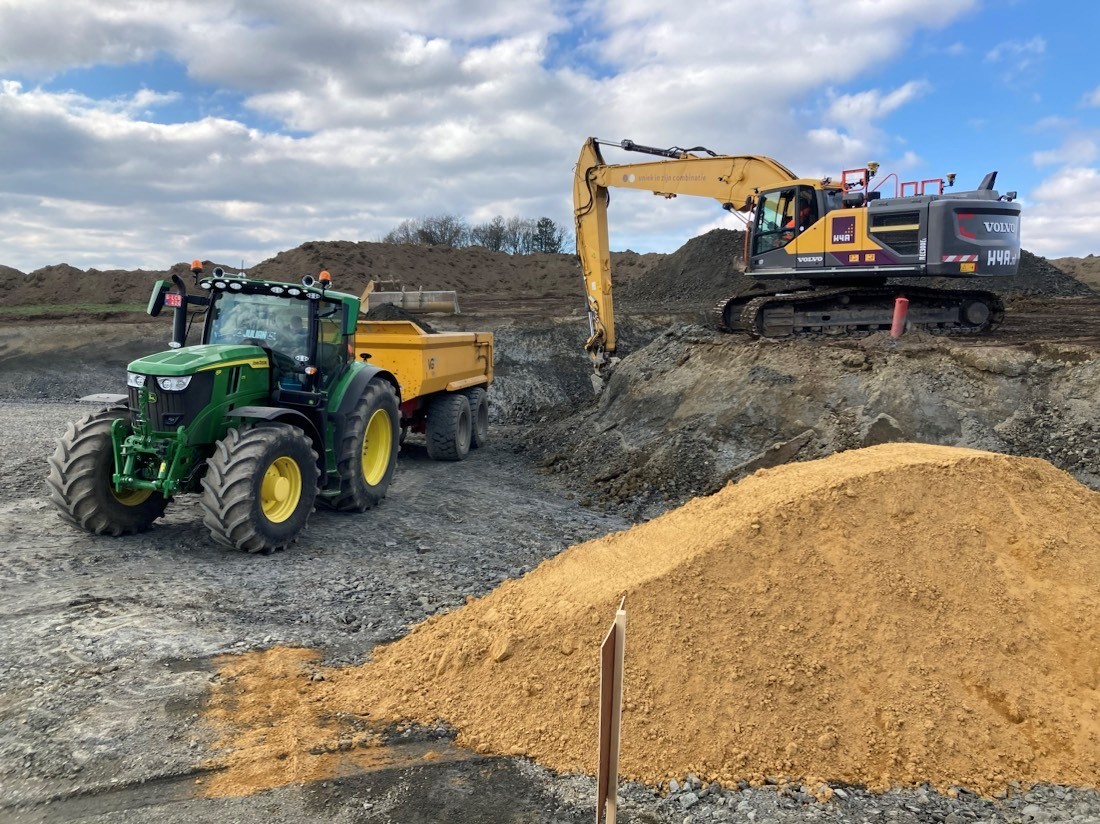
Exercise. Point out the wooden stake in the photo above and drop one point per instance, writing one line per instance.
(611, 709)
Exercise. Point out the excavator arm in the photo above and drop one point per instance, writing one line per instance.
(729, 179)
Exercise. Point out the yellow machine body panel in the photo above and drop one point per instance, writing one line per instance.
(426, 363)
(842, 233)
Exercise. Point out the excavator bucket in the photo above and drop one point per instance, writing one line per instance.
(417, 302)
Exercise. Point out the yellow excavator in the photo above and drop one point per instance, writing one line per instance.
(843, 237)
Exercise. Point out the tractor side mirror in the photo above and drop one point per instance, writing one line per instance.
(156, 299)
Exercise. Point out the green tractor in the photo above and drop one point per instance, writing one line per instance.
(269, 416)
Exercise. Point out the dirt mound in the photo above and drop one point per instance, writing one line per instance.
(819, 621)
(65, 284)
(1086, 269)
(471, 271)
(699, 273)
(1036, 277)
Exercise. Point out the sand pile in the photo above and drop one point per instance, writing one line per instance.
(892, 615)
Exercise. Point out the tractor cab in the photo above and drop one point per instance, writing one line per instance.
(305, 331)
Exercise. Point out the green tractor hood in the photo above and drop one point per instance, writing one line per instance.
(180, 362)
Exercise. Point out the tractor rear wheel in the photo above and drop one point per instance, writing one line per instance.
(479, 415)
(80, 485)
(367, 457)
(259, 488)
(448, 427)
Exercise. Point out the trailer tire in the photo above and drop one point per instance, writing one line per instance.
(479, 415)
(448, 427)
(260, 487)
(79, 481)
(367, 458)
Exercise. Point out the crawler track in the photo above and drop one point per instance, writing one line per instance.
(858, 311)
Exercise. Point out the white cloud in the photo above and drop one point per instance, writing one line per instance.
(376, 112)
(1053, 123)
(1019, 51)
(1093, 97)
(1060, 218)
(872, 104)
(1075, 151)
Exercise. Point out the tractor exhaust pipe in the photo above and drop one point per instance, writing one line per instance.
(179, 317)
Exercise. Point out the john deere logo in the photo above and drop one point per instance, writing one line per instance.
(151, 397)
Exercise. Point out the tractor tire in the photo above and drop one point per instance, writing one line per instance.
(79, 481)
(260, 487)
(479, 415)
(448, 427)
(367, 458)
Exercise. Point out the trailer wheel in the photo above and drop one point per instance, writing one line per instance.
(367, 458)
(479, 415)
(448, 427)
(259, 487)
(80, 486)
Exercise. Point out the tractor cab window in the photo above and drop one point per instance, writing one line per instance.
(273, 322)
(332, 351)
(276, 323)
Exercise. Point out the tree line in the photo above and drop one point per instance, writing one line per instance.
(514, 235)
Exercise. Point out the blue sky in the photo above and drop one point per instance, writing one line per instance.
(144, 132)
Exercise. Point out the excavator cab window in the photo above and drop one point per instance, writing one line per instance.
(775, 213)
(834, 199)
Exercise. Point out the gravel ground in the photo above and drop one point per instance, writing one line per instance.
(108, 645)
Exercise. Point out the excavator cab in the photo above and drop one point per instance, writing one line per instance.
(782, 215)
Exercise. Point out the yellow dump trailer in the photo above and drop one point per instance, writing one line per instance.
(443, 377)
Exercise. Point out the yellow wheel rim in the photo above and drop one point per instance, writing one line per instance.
(281, 489)
(377, 447)
(131, 497)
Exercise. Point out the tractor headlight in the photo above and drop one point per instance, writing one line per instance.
(174, 384)
(135, 380)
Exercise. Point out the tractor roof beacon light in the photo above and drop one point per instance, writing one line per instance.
(324, 279)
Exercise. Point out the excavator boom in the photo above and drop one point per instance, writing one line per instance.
(729, 179)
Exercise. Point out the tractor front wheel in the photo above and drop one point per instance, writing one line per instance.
(259, 487)
(368, 455)
(80, 485)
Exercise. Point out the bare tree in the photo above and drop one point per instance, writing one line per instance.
(444, 230)
(490, 235)
(515, 235)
